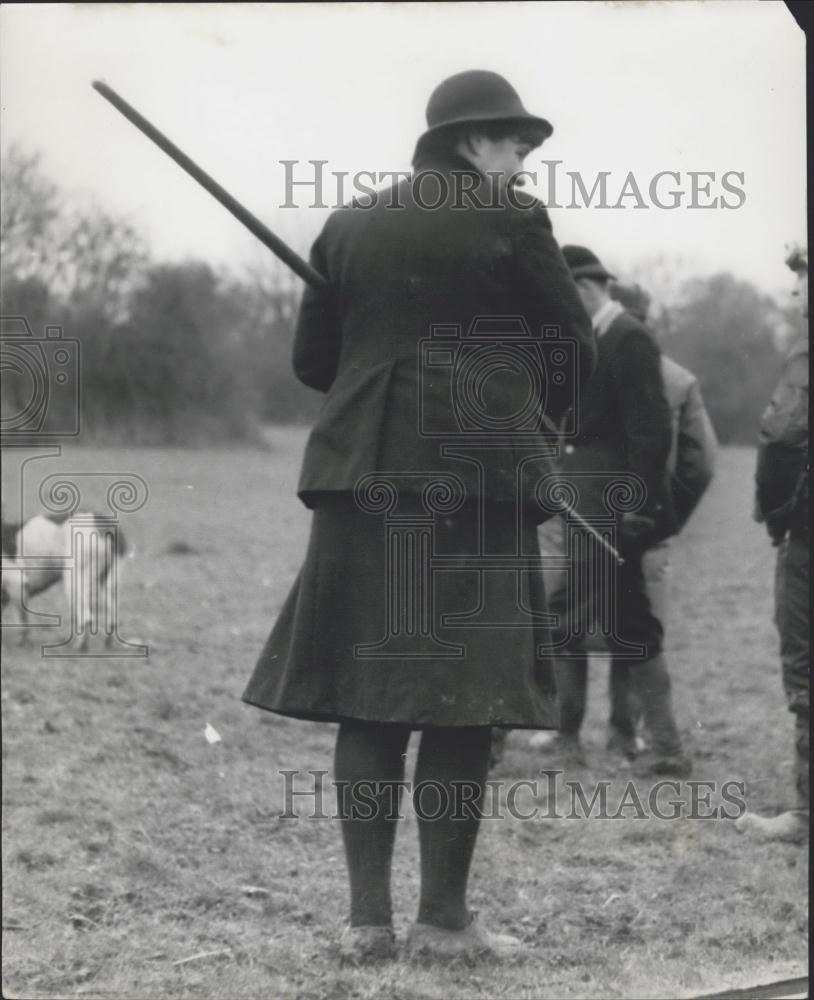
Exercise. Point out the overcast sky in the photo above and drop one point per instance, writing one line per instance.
(629, 87)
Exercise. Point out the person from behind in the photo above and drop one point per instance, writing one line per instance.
(691, 466)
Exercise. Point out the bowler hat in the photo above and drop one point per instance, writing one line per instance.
(478, 95)
(583, 263)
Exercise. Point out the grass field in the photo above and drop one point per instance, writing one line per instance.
(131, 844)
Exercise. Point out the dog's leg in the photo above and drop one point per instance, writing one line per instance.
(79, 596)
(23, 605)
(110, 585)
(107, 604)
(87, 558)
(15, 594)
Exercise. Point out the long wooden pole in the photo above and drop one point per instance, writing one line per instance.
(250, 221)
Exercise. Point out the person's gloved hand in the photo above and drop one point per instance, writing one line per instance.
(636, 529)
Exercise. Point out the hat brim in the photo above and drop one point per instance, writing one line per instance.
(592, 271)
(538, 127)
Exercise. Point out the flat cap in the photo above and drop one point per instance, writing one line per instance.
(583, 263)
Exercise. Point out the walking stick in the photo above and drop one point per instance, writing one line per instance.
(567, 508)
(250, 221)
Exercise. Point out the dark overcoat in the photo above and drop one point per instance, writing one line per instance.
(366, 632)
(397, 273)
(624, 426)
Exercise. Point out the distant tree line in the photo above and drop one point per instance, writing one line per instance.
(731, 335)
(179, 353)
(170, 352)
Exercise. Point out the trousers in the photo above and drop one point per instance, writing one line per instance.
(791, 618)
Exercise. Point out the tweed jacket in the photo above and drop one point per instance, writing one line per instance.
(624, 426)
(693, 450)
(391, 340)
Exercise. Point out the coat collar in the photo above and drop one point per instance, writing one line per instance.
(605, 315)
(446, 163)
(467, 183)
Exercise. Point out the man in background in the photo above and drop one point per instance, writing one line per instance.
(691, 466)
(625, 427)
(782, 505)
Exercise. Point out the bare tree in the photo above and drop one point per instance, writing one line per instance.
(78, 253)
(726, 332)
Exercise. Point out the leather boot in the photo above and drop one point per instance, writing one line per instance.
(622, 723)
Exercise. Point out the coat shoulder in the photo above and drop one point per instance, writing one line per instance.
(678, 380)
(526, 212)
(627, 334)
(525, 201)
(625, 324)
(799, 349)
(796, 366)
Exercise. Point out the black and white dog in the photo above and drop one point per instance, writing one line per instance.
(38, 553)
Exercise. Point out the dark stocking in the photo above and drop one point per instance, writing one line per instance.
(448, 791)
(368, 761)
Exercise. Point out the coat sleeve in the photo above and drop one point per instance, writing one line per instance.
(645, 412)
(544, 275)
(695, 455)
(317, 337)
(785, 421)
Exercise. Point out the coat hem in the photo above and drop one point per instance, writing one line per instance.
(305, 715)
